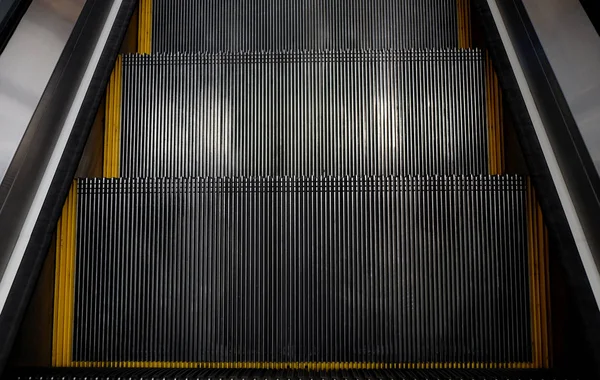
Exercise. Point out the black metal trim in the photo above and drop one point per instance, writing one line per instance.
(51, 111)
(592, 8)
(576, 164)
(11, 14)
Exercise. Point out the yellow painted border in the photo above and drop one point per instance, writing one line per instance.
(538, 281)
(495, 119)
(64, 284)
(112, 129)
(145, 27)
(463, 12)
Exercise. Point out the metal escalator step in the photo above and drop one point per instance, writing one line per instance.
(316, 273)
(302, 113)
(262, 25)
(249, 374)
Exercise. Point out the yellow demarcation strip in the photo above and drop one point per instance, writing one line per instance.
(538, 281)
(495, 119)
(64, 285)
(112, 130)
(463, 8)
(145, 27)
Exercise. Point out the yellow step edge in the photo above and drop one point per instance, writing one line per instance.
(463, 13)
(538, 280)
(65, 281)
(145, 27)
(544, 289)
(531, 238)
(494, 119)
(112, 128)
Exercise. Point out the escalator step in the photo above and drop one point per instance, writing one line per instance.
(366, 113)
(247, 374)
(263, 25)
(260, 272)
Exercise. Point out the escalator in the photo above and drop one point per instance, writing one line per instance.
(306, 189)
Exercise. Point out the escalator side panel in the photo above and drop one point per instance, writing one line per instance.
(494, 120)
(48, 156)
(66, 237)
(570, 181)
(538, 280)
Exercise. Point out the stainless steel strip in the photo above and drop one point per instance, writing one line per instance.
(26, 65)
(568, 190)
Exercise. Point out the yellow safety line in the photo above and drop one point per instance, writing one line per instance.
(544, 288)
(145, 27)
(321, 366)
(463, 8)
(64, 286)
(533, 276)
(495, 120)
(117, 117)
(112, 131)
(538, 281)
(501, 126)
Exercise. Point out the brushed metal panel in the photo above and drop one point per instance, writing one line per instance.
(572, 47)
(27, 64)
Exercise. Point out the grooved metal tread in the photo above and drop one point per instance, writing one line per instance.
(254, 374)
(238, 25)
(304, 113)
(308, 270)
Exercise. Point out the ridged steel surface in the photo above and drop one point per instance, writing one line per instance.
(263, 25)
(302, 270)
(259, 374)
(347, 113)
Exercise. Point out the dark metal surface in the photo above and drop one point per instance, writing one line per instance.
(572, 47)
(294, 270)
(44, 164)
(295, 113)
(257, 374)
(267, 25)
(11, 12)
(26, 66)
(592, 8)
(560, 165)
